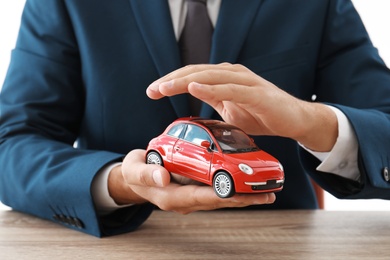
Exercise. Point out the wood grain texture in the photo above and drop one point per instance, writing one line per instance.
(208, 235)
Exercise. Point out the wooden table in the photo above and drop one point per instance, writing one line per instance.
(208, 235)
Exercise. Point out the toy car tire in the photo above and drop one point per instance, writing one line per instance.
(223, 185)
(154, 158)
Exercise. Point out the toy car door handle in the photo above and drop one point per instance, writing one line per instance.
(178, 148)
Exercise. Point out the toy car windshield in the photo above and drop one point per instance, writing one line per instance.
(233, 140)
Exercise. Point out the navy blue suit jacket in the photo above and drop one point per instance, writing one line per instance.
(81, 67)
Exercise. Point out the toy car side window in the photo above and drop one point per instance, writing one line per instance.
(196, 135)
(176, 130)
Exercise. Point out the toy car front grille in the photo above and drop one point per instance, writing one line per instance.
(271, 184)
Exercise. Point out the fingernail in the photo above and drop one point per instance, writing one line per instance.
(271, 198)
(153, 87)
(196, 84)
(168, 84)
(157, 178)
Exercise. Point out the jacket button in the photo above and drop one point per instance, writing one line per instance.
(386, 174)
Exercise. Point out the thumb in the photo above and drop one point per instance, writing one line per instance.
(160, 179)
(136, 172)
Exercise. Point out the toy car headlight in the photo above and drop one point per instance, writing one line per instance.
(245, 168)
(281, 167)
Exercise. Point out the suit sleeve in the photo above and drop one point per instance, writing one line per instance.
(352, 76)
(41, 108)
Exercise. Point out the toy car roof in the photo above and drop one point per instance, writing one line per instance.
(205, 121)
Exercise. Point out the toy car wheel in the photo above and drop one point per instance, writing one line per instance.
(154, 158)
(223, 185)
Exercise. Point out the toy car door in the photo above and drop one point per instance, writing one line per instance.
(190, 157)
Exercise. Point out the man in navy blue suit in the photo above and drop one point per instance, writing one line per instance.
(91, 82)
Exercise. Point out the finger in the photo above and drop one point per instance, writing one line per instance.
(177, 81)
(235, 202)
(211, 77)
(256, 110)
(189, 198)
(231, 111)
(202, 201)
(195, 68)
(136, 172)
(235, 93)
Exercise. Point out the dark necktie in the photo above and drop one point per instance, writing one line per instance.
(195, 40)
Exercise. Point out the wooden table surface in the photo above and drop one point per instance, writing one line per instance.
(238, 235)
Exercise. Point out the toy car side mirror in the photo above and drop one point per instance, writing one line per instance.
(205, 144)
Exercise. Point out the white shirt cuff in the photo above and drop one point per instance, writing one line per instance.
(342, 159)
(100, 194)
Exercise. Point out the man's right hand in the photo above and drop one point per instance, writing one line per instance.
(136, 182)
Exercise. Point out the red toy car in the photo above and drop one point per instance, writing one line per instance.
(218, 154)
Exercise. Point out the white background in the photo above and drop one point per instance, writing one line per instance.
(375, 14)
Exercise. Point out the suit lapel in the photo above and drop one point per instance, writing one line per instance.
(234, 20)
(154, 21)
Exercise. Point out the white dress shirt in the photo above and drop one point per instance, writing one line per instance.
(341, 160)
